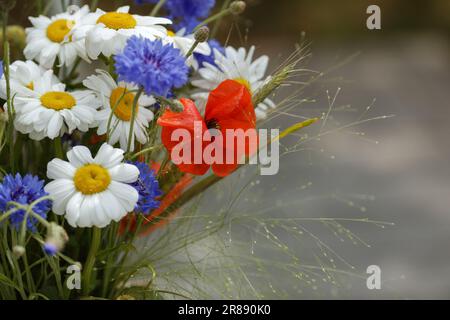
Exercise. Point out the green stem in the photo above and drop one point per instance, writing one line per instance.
(90, 261)
(133, 117)
(6, 61)
(39, 7)
(225, 5)
(94, 5)
(213, 18)
(127, 252)
(157, 7)
(191, 50)
(63, 5)
(144, 151)
(58, 148)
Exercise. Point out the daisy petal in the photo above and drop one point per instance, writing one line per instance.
(127, 195)
(59, 169)
(108, 156)
(61, 190)
(124, 172)
(79, 156)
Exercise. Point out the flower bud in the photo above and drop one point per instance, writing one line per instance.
(202, 34)
(18, 251)
(17, 40)
(176, 106)
(237, 7)
(56, 239)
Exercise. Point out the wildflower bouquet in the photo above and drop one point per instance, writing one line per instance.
(91, 164)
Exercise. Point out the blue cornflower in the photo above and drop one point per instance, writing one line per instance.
(201, 58)
(50, 249)
(186, 13)
(156, 67)
(25, 191)
(148, 188)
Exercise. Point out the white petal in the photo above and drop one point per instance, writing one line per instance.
(73, 209)
(59, 169)
(124, 172)
(101, 218)
(126, 194)
(108, 157)
(79, 156)
(87, 212)
(54, 126)
(61, 190)
(112, 206)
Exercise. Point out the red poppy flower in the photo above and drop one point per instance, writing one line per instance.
(230, 112)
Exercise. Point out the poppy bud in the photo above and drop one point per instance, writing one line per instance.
(202, 34)
(237, 7)
(18, 251)
(56, 239)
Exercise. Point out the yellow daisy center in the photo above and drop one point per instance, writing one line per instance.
(30, 85)
(117, 20)
(121, 101)
(91, 179)
(170, 33)
(58, 100)
(244, 82)
(58, 30)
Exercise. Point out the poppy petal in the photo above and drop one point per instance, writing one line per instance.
(187, 120)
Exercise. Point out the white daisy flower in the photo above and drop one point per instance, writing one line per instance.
(184, 43)
(107, 32)
(49, 111)
(52, 37)
(22, 75)
(235, 65)
(117, 102)
(92, 191)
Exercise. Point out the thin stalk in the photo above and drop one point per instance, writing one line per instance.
(133, 117)
(191, 50)
(94, 4)
(127, 252)
(90, 261)
(225, 5)
(157, 7)
(63, 5)
(111, 257)
(6, 61)
(213, 18)
(144, 151)
(58, 148)
(39, 7)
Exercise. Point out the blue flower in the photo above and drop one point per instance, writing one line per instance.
(25, 191)
(201, 58)
(1, 68)
(50, 249)
(156, 67)
(186, 13)
(148, 188)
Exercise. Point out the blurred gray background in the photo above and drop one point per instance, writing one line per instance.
(394, 170)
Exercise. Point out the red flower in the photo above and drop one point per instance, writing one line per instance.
(229, 109)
